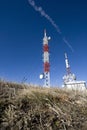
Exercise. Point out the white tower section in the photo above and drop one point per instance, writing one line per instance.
(67, 64)
(46, 60)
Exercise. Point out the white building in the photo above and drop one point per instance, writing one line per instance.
(76, 85)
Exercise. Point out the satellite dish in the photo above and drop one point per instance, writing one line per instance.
(41, 76)
(49, 38)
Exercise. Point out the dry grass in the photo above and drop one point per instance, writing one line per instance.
(37, 108)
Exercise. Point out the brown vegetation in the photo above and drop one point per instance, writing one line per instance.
(25, 107)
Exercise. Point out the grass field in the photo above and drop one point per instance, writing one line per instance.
(29, 107)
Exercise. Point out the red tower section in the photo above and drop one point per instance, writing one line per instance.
(46, 67)
(46, 48)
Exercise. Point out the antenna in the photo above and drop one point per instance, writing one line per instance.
(69, 77)
(46, 64)
(67, 64)
(24, 80)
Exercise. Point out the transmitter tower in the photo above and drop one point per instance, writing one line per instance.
(46, 62)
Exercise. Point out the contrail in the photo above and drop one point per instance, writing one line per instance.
(64, 39)
(44, 14)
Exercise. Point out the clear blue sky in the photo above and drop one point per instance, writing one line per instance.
(21, 34)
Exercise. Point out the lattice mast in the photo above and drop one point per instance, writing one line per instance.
(67, 65)
(69, 77)
(46, 60)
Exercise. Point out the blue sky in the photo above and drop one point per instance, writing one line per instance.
(21, 34)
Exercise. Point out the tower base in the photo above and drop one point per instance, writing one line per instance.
(47, 79)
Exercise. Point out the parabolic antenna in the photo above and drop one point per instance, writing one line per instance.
(41, 76)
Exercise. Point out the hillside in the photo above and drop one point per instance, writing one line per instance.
(25, 107)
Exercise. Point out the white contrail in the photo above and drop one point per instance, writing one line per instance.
(44, 14)
(64, 39)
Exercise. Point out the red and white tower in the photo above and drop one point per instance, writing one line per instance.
(46, 74)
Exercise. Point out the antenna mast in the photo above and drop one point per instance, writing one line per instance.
(67, 65)
(46, 64)
(69, 77)
(46, 60)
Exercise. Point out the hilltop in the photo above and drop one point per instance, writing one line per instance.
(26, 107)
